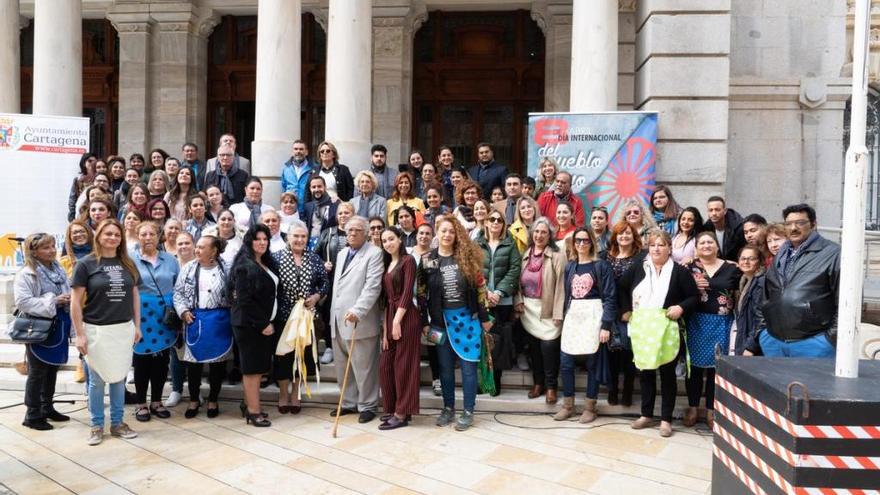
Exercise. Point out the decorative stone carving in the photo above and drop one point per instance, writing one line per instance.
(207, 24)
(417, 16)
(320, 16)
(626, 5)
(387, 41)
(131, 27)
(813, 92)
(539, 14)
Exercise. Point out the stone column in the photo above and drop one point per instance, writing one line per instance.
(57, 58)
(10, 72)
(277, 116)
(135, 30)
(594, 56)
(693, 39)
(349, 80)
(393, 30)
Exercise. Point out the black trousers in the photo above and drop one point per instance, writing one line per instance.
(694, 387)
(433, 361)
(150, 370)
(216, 373)
(621, 362)
(668, 389)
(545, 361)
(39, 389)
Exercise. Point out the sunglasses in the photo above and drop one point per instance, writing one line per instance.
(600, 208)
(496, 220)
(325, 151)
(634, 212)
(376, 227)
(581, 240)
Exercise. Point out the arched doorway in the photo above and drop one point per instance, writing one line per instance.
(100, 73)
(476, 76)
(232, 83)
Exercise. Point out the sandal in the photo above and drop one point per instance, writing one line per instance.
(160, 412)
(142, 414)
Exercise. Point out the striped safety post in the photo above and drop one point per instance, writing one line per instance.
(789, 426)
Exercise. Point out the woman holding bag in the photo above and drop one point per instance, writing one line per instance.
(42, 291)
(653, 297)
(590, 311)
(159, 323)
(302, 278)
(200, 298)
(107, 324)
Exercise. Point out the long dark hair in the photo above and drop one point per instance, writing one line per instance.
(247, 248)
(698, 221)
(397, 274)
(83, 170)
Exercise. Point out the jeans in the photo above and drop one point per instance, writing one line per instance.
(816, 346)
(96, 400)
(567, 366)
(447, 358)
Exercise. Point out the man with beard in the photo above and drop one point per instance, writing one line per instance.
(320, 212)
(295, 173)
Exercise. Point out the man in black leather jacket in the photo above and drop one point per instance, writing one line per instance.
(799, 315)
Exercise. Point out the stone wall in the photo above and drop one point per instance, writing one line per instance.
(786, 106)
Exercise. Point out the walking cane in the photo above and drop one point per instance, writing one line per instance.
(344, 380)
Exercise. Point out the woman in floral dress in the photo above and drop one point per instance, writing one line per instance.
(710, 324)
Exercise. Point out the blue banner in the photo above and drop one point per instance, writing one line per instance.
(610, 156)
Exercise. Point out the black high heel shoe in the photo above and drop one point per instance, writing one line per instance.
(257, 420)
(191, 413)
(243, 408)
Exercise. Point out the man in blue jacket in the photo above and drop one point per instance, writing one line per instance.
(295, 174)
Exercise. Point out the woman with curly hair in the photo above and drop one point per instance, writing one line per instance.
(404, 194)
(637, 215)
(452, 289)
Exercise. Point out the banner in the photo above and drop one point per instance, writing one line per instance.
(40, 158)
(610, 155)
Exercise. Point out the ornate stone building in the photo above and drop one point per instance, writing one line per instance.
(751, 93)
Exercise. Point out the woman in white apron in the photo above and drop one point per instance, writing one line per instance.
(540, 303)
(590, 310)
(653, 298)
(42, 291)
(107, 325)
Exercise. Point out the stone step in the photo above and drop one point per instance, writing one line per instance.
(327, 394)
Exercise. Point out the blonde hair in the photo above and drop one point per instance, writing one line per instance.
(369, 175)
(31, 244)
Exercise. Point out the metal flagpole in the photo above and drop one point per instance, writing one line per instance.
(852, 239)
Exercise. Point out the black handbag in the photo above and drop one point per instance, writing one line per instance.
(169, 316)
(27, 329)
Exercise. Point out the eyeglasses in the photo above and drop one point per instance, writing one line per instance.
(225, 155)
(751, 259)
(495, 220)
(796, 223)
(581, 240)
(353, 230)
(375, 227)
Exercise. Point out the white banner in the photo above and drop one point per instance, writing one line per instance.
(39, 158)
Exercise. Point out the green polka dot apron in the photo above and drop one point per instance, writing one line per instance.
(655, 338)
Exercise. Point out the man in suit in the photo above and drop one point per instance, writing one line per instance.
(240, 162)
(356, 287)
(513, 189)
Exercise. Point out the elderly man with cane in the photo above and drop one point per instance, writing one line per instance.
(355, 322)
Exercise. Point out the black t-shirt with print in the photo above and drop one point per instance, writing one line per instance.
(109, 287)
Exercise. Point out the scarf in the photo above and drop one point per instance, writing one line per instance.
(745, 283)
(651, 291)
(80, 251)
(256, 210)
(52, 278)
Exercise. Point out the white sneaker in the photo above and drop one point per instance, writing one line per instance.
(327, 357)
(130, 377)
(438, 390)
(173, 399)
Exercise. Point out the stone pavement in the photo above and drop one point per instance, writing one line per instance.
(506, 453)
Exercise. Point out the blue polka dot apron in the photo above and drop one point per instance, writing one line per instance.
(654, 337)
(704, 332)
(209, 336)
(54, 350)
(155, 336)
(464, 333)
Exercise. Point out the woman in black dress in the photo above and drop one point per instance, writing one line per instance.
(254, 298)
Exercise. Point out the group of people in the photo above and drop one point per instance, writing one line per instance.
(177, 266)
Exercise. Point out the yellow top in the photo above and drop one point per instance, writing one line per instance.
(393, 204)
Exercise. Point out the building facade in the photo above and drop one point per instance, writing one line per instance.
(751, 94)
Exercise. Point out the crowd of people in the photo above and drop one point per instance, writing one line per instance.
(176, 266)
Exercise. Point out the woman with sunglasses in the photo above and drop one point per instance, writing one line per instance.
(502, 269)
(590, 311)
(377, 225)
(42, 290)
(637, 216)
(337, 177)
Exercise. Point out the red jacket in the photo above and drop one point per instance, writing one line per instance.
(548, 201)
